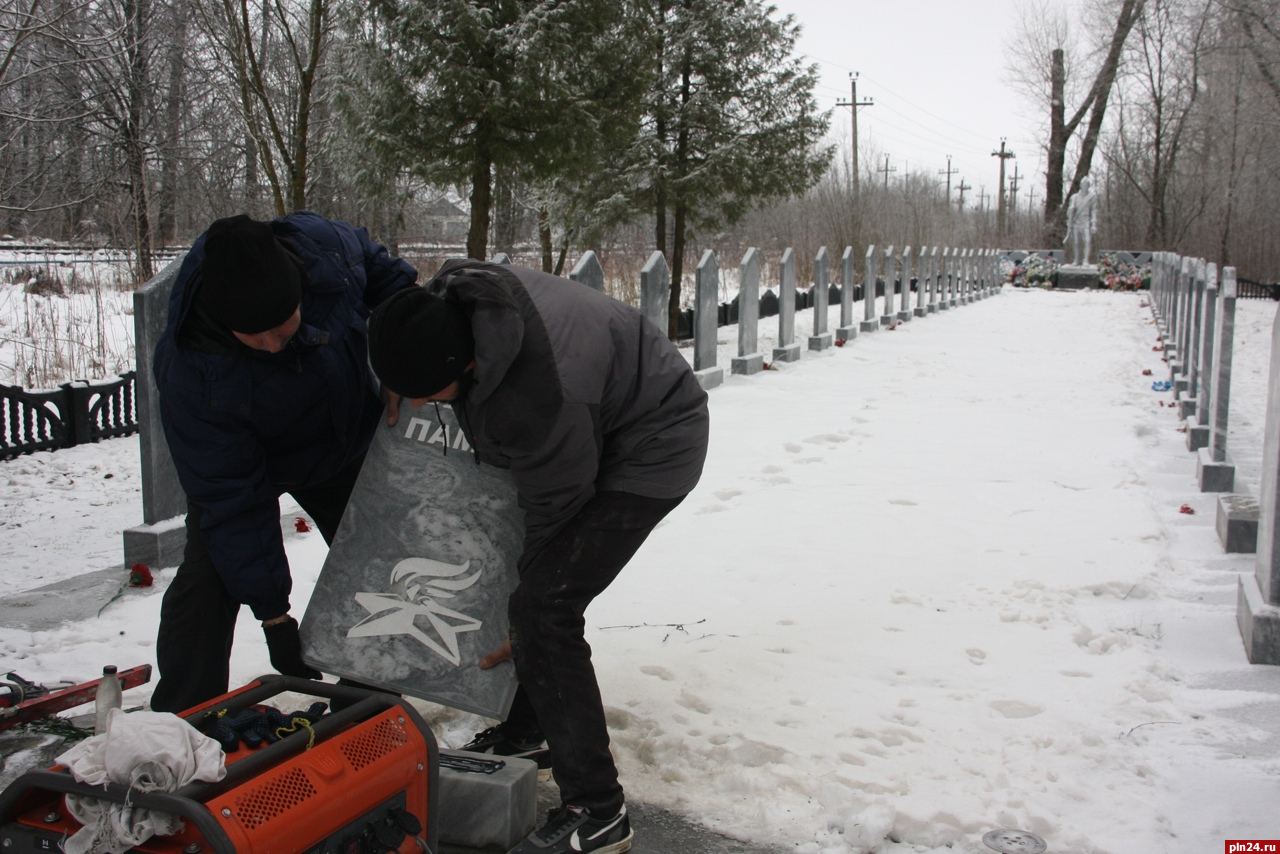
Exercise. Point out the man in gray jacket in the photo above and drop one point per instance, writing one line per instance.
(604, 428)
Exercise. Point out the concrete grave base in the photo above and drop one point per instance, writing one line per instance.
(747, 365)
(904, 316)
(846, 333)
(1197, 435)
(921, 311)
(821, 342)
(944, 305)
(933, 308)
(887, 319)
(953, 302)
(789, 353)
(1180, 385)
(1237, 523)
(709, 378)
(1259, 623)
(869, 325)
(497, 810)
(1186, 406)
(161, 544)
(1073, 278)
(1214, 476)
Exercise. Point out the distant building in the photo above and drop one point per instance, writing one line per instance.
(442, 221)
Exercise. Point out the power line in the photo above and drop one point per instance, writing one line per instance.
(853, 104)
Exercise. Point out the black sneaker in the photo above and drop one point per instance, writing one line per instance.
(498, 741)
(570, 830)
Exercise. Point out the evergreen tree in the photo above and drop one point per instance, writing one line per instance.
(463, 88)
(731, 121)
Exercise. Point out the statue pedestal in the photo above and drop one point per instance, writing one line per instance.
(1074, 278)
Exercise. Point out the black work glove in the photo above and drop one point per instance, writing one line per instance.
(285, 649)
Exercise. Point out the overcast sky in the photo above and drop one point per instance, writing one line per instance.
(936, 71)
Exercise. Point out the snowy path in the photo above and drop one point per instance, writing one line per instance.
(932, 583)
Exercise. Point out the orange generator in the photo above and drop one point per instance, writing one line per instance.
(363, 779)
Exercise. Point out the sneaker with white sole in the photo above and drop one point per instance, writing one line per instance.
(499, 741)
(573, 830)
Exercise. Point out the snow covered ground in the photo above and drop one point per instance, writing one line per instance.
(933, 583)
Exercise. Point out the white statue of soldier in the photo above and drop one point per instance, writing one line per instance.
(1082, 222)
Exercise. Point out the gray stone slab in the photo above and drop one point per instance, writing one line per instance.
(709, 378)
(868, 325)
(869, 290)
(414, 590)
(786, 303)
(1186, 405)
(890, 284)
(655, 290)
(848, 279)
(158, 545)
(1223, 347)
(846, 333)
(1077, 278)
(1214, 476)
(818, 343)
(1237, 523)
(1259, 623)
(1197, 434)
(479, 810)
(1267, 568)
(162, 495)
(747, 365)
(68, 601)
(789, 353)
(749, 310)
(821, 294)
(706, 313)
(588, 271)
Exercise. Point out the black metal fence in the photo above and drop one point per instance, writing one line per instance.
(1249, 289)
(72, 414)
(727, 312)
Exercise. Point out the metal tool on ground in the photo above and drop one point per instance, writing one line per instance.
(36, 701)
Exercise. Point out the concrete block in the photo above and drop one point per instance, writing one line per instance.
(869, 325)
(846, 333)
(747, 365)
(789, 353)
(1197, 435)
(1186, 406)
(158, 545)
(1237, 523)
(709, 378)
(1180, 385)
(1259, 623)
(904, 316)
(821, 342)
(1214, 476)
(922, 311)
(478, 810)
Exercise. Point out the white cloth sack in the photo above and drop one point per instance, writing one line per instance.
(149, 752)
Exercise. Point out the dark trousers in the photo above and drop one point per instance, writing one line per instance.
(553, 660)
(198, 615)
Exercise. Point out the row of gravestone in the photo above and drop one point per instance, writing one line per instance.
(1195, 314)
(944, 278)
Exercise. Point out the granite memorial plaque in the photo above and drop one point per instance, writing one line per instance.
(787, 350)
(846, 331)
(588, 271)
(821, 339)
(904, 305)
(890, 286)
(655, 290)
(705, 321)
(749, 360)
(869, 321)
(414, 590)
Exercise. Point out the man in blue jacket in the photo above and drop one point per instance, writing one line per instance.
(264, 388)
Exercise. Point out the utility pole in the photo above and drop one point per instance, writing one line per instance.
(1013, 193)
(948, 172)
(886, 170)
(1003, 155)
(1031, 204)
(982, 197)
(963, 188)
(853, 104)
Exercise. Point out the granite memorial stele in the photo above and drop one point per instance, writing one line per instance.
(414, 590)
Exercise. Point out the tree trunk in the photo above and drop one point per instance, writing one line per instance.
(135, 146)
(1057, 143)
(677, 271)
(481, 205)
(544, 238)
(167, 215)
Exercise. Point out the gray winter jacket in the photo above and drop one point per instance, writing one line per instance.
(574, 392)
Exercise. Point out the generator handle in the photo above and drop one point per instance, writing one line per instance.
(167, 802)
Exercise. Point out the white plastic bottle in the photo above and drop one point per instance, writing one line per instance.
(107, 698)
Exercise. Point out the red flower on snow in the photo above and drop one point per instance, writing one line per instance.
(301, 525)
(140, 575)
(1187, 509)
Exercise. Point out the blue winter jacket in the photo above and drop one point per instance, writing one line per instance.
(245, 426)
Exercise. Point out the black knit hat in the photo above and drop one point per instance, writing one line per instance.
(419, 343)
(250, 283)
